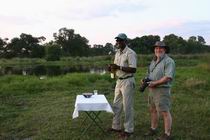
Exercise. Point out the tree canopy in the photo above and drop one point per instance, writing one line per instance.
(67, 43)
(72, 44)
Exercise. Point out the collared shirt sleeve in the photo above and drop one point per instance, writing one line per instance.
(170, 68)
(132, 60)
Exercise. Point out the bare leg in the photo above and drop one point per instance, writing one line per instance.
(154, 117)
(167, 121)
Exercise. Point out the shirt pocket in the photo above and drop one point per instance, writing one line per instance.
(124, 61)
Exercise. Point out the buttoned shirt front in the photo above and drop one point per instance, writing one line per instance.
(165, 67)
(125, 58)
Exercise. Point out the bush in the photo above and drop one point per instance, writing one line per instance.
(53, 52)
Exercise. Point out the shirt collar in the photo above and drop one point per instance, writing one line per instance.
(124, 50)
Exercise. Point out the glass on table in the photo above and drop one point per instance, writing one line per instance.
(95, 92)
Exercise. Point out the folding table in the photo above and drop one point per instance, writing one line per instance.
(92, 107)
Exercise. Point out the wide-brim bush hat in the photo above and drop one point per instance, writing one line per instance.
(162, 45)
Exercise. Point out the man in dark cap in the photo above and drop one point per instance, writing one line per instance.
(161, 73)
(125, 64)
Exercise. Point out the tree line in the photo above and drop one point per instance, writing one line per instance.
(67, 43)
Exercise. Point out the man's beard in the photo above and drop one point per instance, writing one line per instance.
(160, 55)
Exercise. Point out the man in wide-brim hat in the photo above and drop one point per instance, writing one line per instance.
(161, 73)
(161, 45)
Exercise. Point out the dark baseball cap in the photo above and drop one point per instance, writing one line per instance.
(121, 36)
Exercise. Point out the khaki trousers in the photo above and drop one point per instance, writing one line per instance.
(124, 93)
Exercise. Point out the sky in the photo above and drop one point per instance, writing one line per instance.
(101, 20)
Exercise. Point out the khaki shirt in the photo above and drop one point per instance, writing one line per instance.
(126, 58)
(165, 67)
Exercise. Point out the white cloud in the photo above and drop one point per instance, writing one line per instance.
(101, 20)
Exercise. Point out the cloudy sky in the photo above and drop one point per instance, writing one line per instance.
(101, 20)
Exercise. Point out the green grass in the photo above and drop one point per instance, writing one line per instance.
(31, 108)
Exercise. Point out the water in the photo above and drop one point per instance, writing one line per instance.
(40, 70)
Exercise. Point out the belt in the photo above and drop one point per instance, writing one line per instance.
(122, 78)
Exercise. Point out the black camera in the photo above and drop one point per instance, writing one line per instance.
(144, 84)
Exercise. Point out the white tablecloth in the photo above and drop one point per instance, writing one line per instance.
(94, 103)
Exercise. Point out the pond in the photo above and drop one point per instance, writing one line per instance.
(40, 70)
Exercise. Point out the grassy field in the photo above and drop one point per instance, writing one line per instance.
(41, 109)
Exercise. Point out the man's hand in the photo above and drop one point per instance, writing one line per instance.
(109, 68)
(152, 84)
(114, 67)
(142, 81)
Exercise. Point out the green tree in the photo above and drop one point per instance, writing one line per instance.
(53, 51)
(3, 43)
(26, 46)
(101, 50)
(192, 39)
(143, 45)
(201, 40)
(14, 48)
(179, 45)
(96, 50)
(176, 44)
(108, 48)
(72, 44)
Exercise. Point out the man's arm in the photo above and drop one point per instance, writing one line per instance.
(125, 69)
(161, 81)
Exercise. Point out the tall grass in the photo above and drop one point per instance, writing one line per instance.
(34, 108)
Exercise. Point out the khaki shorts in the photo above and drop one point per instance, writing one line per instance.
(160, 98)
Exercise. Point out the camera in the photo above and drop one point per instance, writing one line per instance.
(144, 84)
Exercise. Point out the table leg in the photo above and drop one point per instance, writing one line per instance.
(96, 114)
(94, 117)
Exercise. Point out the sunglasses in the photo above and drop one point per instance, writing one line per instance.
(119, 40)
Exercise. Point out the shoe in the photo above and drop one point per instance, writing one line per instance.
(164, 137)
(114, 130)
(151, 132)
(125, 135)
